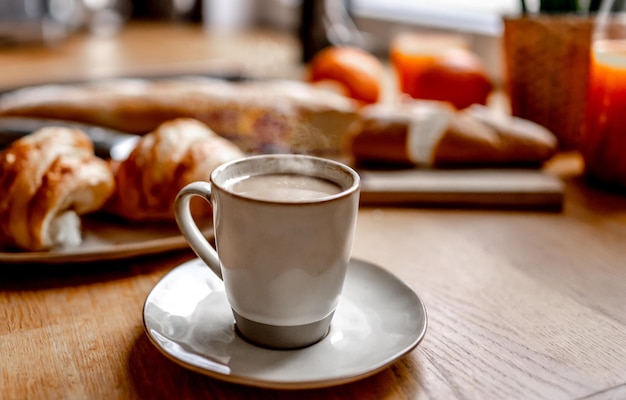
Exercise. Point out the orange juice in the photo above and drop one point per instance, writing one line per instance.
(603, 143)
(409, 69)
(439, 67)
(411, 54)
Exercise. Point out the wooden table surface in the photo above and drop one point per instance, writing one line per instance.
(521, 304)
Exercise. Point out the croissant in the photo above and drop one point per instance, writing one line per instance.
(176, 153)
(47, 180)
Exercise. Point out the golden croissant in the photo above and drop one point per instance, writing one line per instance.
(47, 180)
(176, 153)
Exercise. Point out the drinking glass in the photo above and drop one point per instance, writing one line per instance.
(603, 142)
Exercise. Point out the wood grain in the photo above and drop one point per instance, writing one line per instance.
(521, 304)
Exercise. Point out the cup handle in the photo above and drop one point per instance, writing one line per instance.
(188, 226)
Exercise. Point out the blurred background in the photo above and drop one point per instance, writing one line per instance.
(527, 58)
(369, 24)
(534, 51)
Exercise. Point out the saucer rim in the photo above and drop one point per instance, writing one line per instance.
(300, 384)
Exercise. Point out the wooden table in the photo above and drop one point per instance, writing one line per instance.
(521, 304)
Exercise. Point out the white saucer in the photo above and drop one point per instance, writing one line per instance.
(378, 320)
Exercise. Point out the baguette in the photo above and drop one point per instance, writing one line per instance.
(434, 134)
(263, 116)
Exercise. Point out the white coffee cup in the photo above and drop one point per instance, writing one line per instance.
(284, 226)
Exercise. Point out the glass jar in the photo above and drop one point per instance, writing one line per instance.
(603, 142)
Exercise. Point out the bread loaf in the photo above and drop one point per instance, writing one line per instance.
(262, 116)
(48, 179)
(178, 152)
(434, 134)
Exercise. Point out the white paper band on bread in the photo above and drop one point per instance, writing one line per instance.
(428, 124)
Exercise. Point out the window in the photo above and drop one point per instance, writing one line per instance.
(476, 16)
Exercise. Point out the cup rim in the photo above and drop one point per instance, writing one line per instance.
(345, 192)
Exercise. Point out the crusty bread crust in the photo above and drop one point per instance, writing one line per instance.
(398, 134)
(258, 116)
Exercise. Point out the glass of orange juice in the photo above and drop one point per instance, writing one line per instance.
(603, 142)
(439, 67)
(411, 54)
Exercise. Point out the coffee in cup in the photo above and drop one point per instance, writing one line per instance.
(284, 226)
(283, 187)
